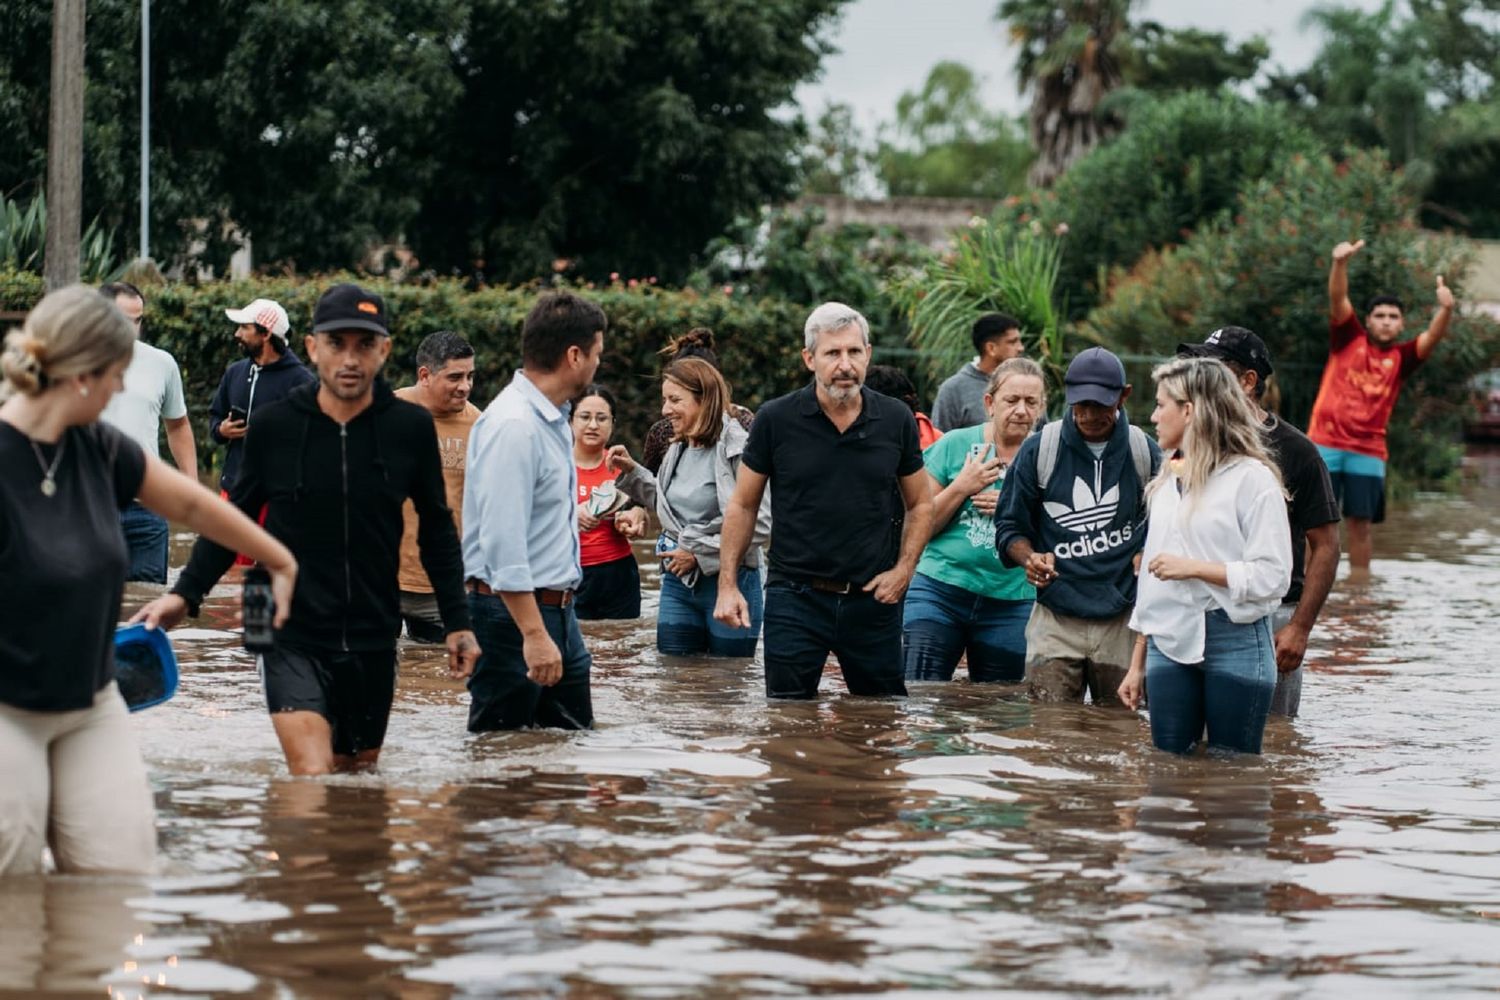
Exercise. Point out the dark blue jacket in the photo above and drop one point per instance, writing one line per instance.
(1092, 518)
(248, 385)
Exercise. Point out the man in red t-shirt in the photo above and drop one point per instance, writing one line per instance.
(1366, 369)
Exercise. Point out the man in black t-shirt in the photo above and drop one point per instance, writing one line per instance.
(1312, 510)
(850, 513)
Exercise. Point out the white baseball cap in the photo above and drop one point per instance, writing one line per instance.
(266, 313)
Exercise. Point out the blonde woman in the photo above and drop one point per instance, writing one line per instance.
(962, 600)
(1217, 561)
(74, 779)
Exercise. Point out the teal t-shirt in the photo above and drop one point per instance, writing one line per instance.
(963, 553)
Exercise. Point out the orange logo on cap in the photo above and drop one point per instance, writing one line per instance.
(368, 307)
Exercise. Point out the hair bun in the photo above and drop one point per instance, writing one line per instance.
(22, 363)
(699, 336)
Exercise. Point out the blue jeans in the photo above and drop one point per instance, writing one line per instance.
(1230, 691)
(146, 538)
(685, 624)
(942, 622)
(502, 696)
(804, 625)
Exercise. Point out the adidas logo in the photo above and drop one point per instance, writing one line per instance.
(1088, 511)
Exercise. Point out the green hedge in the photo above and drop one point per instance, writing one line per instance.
(759, 339)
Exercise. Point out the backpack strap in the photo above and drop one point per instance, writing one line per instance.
(1140, 454)
(1046, 453)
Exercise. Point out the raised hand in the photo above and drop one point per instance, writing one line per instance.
(1444, 294)
(618, 459)
(1345, 250)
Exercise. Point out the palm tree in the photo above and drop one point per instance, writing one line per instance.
(1073, 53)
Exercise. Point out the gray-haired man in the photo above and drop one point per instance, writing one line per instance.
(851, 512)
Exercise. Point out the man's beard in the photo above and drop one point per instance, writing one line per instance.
(841, 394)
(249, 350)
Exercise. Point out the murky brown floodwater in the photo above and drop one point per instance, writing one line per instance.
(703, 842)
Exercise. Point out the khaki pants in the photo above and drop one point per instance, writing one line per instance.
(74, 780)
(1066, 656)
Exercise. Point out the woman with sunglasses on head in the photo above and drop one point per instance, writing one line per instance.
(962, 600)
(1217, 560)
(689, 493)
(73, 777)
(611, 587)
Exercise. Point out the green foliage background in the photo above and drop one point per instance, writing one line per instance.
(1266, 267)
(759, 339)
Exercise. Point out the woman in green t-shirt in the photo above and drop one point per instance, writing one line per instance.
(961, 599)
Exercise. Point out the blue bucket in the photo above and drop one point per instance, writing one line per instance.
(145, 667)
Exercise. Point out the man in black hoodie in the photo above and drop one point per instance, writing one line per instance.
(333, 462)
(1073, 513)
(269, 370)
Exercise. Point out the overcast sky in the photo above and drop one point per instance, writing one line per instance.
(887, 46)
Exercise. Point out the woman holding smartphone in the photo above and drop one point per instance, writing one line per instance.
(1217, 560)
(961, 600)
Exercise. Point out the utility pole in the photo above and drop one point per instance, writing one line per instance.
(65, 146)
(145, 250)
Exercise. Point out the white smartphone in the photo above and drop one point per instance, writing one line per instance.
(981, 451)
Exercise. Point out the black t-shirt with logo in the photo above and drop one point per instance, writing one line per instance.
(62, 564)
(1305, 477)
(836, 506)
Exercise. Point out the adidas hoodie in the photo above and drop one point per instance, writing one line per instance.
(1092, 518)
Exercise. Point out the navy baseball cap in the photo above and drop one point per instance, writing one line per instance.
(1232, 343)
(1095, 376)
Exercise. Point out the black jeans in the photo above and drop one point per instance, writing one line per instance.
(803, 625)
(502, 696)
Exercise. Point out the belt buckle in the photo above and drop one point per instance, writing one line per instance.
(845, 590)
(567, 600)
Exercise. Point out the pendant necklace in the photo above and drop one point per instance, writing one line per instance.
(49, 473)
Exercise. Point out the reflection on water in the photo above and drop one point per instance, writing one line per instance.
(703, 842)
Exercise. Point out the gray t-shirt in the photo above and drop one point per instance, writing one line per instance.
(960, 399)
(153, 391)
(691, 491)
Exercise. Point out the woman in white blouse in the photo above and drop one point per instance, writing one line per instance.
(1218, 559)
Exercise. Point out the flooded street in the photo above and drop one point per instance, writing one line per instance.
(706, 843)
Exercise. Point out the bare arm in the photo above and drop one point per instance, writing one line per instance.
(174, 496)
(1429, 338)
(1317, 581)
(739, 525)
(888, 587)
(1339, 306)
(180, 444)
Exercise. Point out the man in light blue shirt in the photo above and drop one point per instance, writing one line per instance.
(521, 529)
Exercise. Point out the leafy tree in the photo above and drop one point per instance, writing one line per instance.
(1072, 55)
(946, 143)
(835, 160)
(1418, 80)
(621, 134)
(611, 131)
(1180, 162)
(1171, 59)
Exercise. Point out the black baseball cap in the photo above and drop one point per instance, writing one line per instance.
(348, 307)
(1232, 343)
(1095, 376)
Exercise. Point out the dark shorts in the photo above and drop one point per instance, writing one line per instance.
(353, 691)
(1358, 483)
(609, 590)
